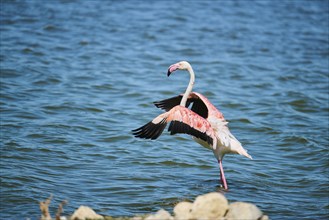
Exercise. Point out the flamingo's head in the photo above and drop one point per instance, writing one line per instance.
(182, 65)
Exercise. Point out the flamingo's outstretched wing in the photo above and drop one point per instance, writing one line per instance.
(168, 104)
(151, 130)
(182, 120)
(198, 106)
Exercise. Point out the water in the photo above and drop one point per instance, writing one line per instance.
(78, 76)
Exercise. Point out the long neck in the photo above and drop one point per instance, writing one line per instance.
(189, 87)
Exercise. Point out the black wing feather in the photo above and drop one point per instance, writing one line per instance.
(200, 108)
(198, 105)
(150, 130)
(182, 128)
(168, 104)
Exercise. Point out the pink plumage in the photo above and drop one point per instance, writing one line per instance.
(204, 122)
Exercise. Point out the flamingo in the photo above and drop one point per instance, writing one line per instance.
(203, 122)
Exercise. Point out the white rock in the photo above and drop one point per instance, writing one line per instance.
(84, 212)
(243, 210)
(209, 206)
(183, 210)
(264, 217)
(160, 215)
(137, 218)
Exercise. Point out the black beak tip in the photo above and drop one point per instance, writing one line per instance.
(168, 73)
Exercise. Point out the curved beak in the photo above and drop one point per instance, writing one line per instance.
(172, 68)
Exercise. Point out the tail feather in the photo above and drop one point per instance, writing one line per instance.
(227, 139)
(244, 153)
(236, 146)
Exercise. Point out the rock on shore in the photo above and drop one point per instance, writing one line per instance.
(210, 206)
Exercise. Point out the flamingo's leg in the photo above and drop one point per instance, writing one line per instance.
(222, 175)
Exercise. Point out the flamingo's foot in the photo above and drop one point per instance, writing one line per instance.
(223, 186)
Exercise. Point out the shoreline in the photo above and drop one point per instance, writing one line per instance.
(208, 206)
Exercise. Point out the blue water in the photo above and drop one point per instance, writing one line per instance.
(78, 76)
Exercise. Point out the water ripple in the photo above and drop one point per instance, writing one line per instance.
(77, 77)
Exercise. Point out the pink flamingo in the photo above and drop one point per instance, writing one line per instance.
(203, 121)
